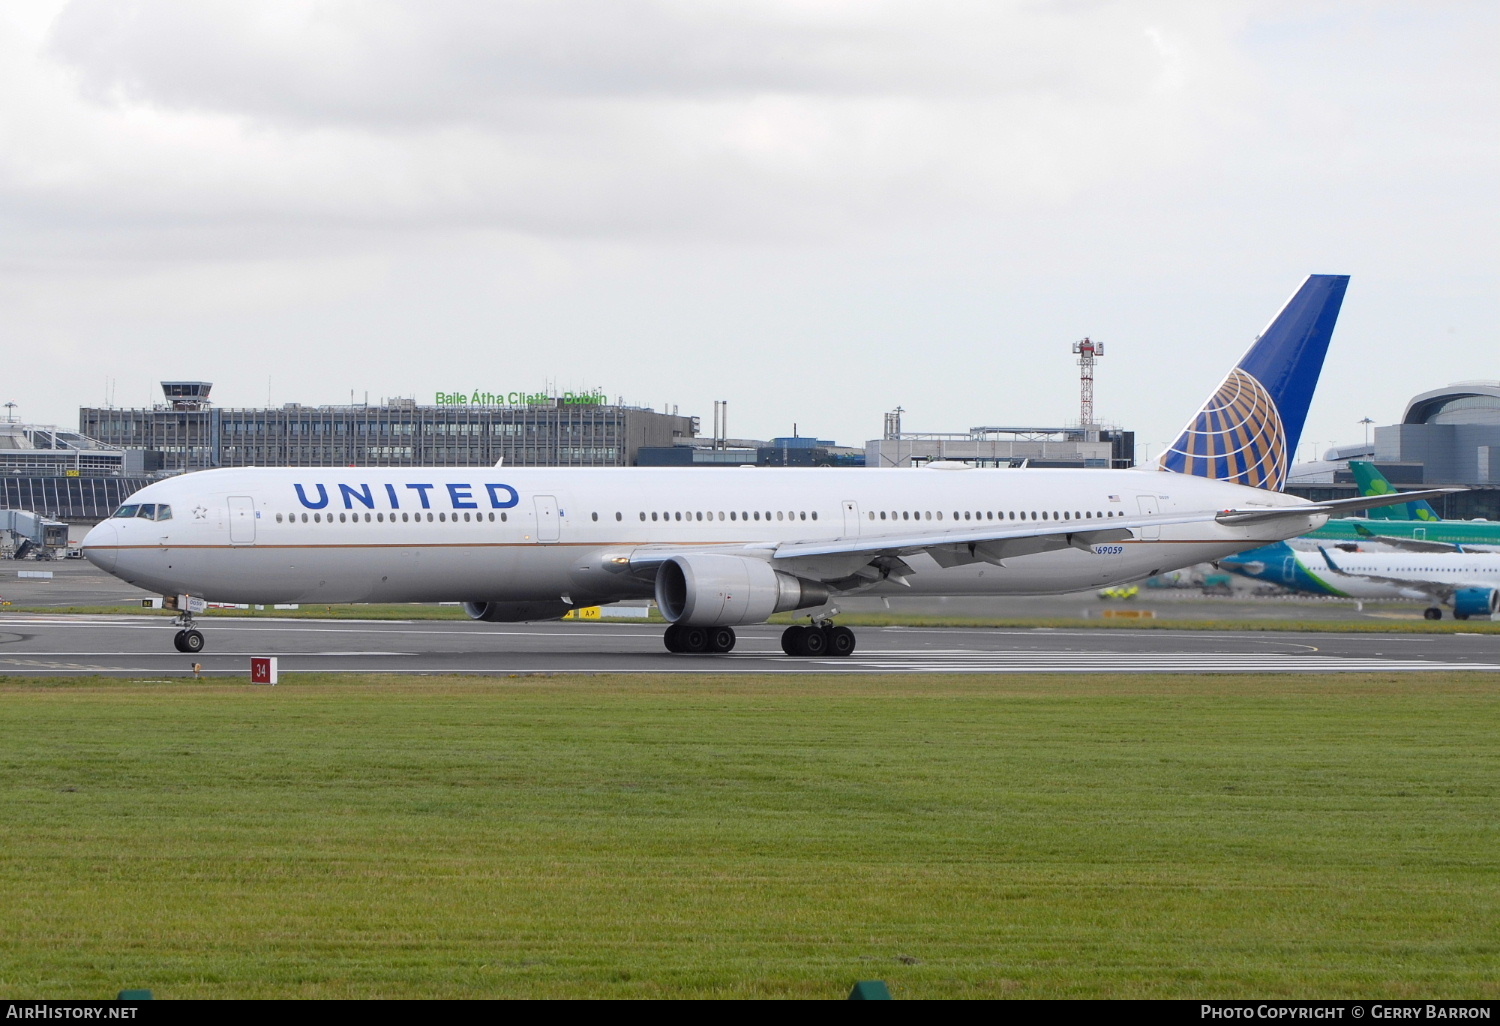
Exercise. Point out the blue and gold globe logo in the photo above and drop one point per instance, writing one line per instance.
(1237, 436)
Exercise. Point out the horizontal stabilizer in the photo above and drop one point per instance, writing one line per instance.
(1334, 506)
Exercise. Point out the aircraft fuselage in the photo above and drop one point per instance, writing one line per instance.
(520, 534)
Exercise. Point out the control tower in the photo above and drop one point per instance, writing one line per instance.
(187, 395)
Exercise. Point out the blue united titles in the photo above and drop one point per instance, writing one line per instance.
(460, 496)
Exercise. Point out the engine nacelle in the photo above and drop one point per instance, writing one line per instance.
(714, 590)
(1475, 602)
(515, 612)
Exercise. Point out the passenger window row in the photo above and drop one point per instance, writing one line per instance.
(903, 514)
(444, 517)
(149, 511)
(696, 515)
(162, 511)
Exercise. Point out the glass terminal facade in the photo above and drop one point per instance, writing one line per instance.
(397, 434)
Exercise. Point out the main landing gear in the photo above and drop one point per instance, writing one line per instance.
(687, 638)
(817, 639)
(188, 639)
(821, 638)
(1432, 613)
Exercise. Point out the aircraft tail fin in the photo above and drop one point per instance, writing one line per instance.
(1372, 482)
(1248, 430)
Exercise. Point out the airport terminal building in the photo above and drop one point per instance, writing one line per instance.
(64, 474)
(1446, 436)
(188, 433)
(1453, 432)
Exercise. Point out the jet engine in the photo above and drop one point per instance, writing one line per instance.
(514, 612)
(715, 590)
(1475, 602)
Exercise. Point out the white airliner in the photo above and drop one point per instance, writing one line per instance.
(1309, 573)
(1470, 581)
(725, 547)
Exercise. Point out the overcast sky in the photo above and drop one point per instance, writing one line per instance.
(814, 209)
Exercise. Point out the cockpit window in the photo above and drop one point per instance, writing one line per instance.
(145, 511)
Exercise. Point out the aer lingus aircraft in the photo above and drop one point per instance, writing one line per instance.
(722, 548)
(1468, 581)
(1413, 525)
(1308, 573)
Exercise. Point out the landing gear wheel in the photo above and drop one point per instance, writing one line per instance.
(190, 642)
(178, 643)
(814, 642)
(1433, 613)
(1460, 616)
(670, 638)
(840, 640)
(692, 639)
(791, 640)
(721, 639)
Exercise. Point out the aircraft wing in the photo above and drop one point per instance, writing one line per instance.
(1410, 544)
(1442, 591)
(1047, 536)
(852, 562)
(1025, 539)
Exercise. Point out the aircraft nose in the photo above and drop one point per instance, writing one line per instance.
(99, 546)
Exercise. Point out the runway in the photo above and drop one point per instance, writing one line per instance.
(37, 644)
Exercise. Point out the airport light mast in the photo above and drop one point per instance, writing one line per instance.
(1088, 351)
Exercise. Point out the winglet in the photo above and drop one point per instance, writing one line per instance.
(1248, 430)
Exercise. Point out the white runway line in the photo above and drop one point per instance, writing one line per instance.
(1123, 662)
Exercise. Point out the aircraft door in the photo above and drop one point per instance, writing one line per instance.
(241, 520)
(1289, 571)
(1149, 508)
(851, 519)
(548, 523)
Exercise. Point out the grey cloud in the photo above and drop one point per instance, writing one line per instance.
(640, 119)
(732, 199)
(458, 61)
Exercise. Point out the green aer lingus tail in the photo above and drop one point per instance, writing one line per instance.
(1415, 524)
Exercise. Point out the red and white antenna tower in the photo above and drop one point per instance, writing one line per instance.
(1088, 351)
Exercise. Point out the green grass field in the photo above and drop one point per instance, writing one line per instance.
(1121, 836)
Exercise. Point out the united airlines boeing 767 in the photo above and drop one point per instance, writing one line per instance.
(722, 548)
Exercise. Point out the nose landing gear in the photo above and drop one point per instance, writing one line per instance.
(188, 639)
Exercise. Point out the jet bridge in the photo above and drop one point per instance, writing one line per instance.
(23, 533)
